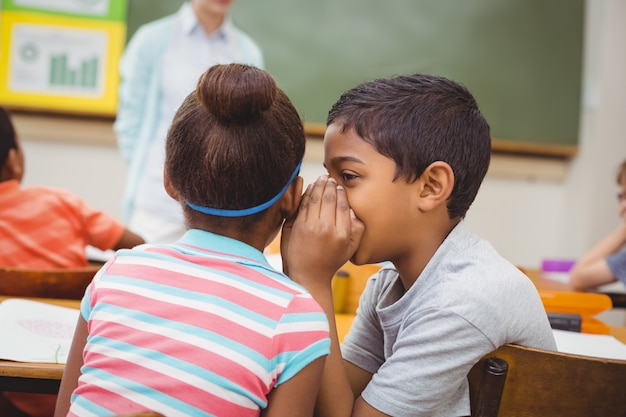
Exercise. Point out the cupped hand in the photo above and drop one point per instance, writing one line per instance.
(322, 237)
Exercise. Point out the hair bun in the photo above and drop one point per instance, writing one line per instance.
(235, 92)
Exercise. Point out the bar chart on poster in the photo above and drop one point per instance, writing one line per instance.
(70, 59)
(61, 55)
(84, 76)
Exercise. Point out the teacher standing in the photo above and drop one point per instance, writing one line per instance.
(160, 66)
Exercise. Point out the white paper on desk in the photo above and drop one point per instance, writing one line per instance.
(36, 332)
(562, 277)
(598, 345)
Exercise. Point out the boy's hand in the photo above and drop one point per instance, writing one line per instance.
(323, 236)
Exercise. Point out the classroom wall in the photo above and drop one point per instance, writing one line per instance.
(529, 208)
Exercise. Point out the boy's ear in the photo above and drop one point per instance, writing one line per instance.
(290, 201)
(13, 168)
(436, 184)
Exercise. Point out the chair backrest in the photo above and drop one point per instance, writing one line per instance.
(618, 299)
(526, 382)
(51, 283)
(584, 304)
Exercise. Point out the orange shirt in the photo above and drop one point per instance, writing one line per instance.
(43, 227)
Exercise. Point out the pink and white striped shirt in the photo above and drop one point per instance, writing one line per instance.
(202, 327)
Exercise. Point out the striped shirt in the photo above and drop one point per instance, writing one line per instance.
(43, 227)
(202, 327)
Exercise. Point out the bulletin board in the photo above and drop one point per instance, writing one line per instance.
(61, 55)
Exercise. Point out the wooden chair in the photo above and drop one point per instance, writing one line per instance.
(525, 382)
(54, 283)
(584, 304)
(618, 299)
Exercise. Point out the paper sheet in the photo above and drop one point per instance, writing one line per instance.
(36, 332)
(602, 346)
(562, 277)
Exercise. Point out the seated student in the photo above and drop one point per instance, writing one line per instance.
(45, 228)
(42, 227)
(405, 159)
(205, 326)
(605, 262)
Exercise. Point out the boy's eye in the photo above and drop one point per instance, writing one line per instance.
(347, 176)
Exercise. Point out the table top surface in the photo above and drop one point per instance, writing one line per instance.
(544, 283)
(55, 371)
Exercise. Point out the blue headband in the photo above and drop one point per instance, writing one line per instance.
(247, 211)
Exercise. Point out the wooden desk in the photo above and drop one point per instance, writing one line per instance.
(43, 378)
(33, 377)
(46, 377)
(543, 283)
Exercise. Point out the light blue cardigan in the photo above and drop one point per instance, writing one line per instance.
(140, 97)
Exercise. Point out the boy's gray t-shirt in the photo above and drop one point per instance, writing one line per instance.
(617, 264)
(420, 345)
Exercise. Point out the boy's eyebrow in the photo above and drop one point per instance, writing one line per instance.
(339, 159)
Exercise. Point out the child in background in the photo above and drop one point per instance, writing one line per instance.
(405, 159)
(42, 227)
(605, 262)
(45, 228)
(205, 326)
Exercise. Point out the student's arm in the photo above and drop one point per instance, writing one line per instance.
(592, 270)
(72, 369)
(128, 240)
(319, 241)
(296, 397)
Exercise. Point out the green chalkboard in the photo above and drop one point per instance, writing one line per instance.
(522, 59)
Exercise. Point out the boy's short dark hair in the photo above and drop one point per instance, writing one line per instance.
(7, 135)
(417, 120)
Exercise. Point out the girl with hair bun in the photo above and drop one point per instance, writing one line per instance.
(205, 326)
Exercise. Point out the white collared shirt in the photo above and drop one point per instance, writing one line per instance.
(190, 52)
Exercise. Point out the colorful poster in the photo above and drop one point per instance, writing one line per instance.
(54, 56)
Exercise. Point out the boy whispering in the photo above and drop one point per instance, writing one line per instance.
(406, 157)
